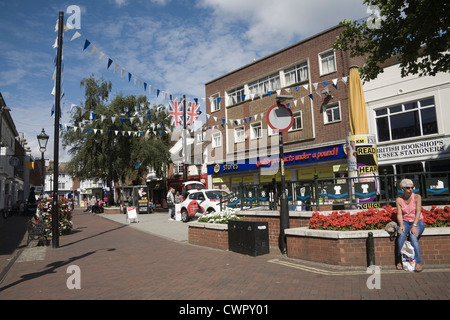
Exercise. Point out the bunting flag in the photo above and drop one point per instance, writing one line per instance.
(193, 113)
(176, 113)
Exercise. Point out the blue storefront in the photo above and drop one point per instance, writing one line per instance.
(326, 162)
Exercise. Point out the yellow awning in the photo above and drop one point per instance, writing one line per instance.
(357, 104)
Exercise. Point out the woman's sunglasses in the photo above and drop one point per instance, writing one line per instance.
(408, 188)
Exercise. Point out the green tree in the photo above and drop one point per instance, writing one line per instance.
(113, 142)
(416, 32)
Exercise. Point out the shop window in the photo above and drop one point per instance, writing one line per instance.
(408, 120)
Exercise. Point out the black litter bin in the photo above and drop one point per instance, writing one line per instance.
(248, 237)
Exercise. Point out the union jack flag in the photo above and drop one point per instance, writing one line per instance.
(176, 113)
(193, 113)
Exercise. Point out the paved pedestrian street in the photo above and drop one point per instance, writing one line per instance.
(104, 259)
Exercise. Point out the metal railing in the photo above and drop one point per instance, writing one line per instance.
(377, 190)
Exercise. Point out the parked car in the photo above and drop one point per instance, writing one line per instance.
(203, 202)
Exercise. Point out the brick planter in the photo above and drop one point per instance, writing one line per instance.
(342, 248)
(348, 248)
(296, 219)
(212, 235)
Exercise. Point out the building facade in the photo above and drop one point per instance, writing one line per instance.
(410, 120)
(241, 146)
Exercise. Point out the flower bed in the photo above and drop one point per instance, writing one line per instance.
(220, 217)
(374, 219)
(44, 212)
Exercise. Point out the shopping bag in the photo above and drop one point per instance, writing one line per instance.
(408, 256)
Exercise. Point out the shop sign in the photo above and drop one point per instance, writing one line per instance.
(300, 157)
(411, 149)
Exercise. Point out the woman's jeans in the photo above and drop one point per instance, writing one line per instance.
(412, 238)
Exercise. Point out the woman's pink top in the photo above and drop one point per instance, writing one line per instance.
(409, 210)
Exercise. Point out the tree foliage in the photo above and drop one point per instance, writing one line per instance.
(415, 31)
(99, 153)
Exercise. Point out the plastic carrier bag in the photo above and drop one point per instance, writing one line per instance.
(408, 256)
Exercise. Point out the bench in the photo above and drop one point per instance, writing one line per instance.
(36, 231)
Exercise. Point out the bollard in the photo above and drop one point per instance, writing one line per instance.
(370, 248)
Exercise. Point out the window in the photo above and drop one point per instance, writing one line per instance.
(256, 130)
(235, 96)
(296, 74)
(327, 62)
(200, 137)
(412, 119)
(178, 168)
(332, 113)
(239, 134)
(215, 106)
(271, 131)
(266, 84)
(216, 140)
(297, 124)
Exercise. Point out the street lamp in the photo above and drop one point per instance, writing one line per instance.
(43, 139)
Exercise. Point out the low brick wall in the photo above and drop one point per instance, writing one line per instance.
(348, 248)
(210, 235)
(343, 248)
(112, 210)
(296, 219)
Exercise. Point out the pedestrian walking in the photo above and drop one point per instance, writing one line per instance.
(171, 203)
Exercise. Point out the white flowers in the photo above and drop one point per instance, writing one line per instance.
(220, 217)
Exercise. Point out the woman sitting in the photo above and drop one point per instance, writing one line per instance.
(410, 221)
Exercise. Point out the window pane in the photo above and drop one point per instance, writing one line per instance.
(329, 116)
(383, 129)
(328, 65)
(381, 112)
(429, 122)
(336, 114)
(410, 106)
(427, 102)
(395, 109)
(297, 121)
(405, 125)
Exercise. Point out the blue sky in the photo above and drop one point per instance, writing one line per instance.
(175, 46)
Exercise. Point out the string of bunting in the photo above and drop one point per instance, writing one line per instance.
(176, 104)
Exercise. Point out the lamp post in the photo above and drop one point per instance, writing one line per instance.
(43, 139)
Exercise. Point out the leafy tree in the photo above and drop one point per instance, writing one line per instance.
(118, 146)
(414, 31)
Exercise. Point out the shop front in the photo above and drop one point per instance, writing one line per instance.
(262, 175)
(427, 155)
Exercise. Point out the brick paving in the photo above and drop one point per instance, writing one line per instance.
(118, 261)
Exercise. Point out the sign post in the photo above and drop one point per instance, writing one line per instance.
(280, 118)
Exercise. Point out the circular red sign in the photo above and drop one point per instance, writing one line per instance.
(279, 117)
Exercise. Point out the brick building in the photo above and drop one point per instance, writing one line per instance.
(241, 147)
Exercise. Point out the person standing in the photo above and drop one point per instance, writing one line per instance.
(271, 200)
(171, 203)
(410, 221)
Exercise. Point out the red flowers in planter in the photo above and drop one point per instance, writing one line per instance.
(373, 219)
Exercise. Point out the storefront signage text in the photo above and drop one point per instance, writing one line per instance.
(411, 149)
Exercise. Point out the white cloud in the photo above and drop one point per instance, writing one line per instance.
(270, 23)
